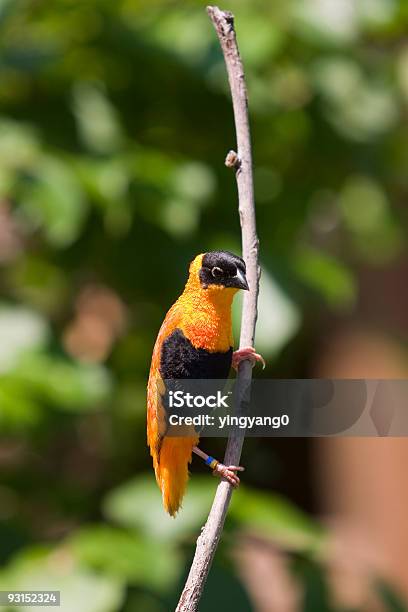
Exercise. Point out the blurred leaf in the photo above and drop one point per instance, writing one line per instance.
(39, 282)
(193, 181)
(6, 7)
(402, 71)
(21, 330)
(330, 21)
(366, 213)
(363, 204)
(185, 31)
(273, 516)
(391, 600)
(326, 275)
(268, 185)
(19, 145)
(54, 201)
(340, 22)
(180, 218)
(18, 408)
(137, 504)
(375, 13)
(192, 185)
(224, 591)
(98, 122)
(81, 590)
(67, 385)
(107, 182)
(259, 38)
(315, 588)
(127, 555)
(278, 316)
(358, 108)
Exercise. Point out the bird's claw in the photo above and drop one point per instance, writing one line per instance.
(228, 473)
(248, 353)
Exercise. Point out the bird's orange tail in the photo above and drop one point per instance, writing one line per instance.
(172, 470)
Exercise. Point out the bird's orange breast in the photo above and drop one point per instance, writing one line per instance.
(206, 314)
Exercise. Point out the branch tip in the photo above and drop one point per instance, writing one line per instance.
(221, 19)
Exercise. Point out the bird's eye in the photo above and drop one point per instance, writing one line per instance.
(217, 272)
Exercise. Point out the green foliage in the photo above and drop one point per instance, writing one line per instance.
(391, 600)
(127, 555)
(316, 594)
(325, 274)
(81, 589)
(142, 494)
(275, 517)
(114, 122)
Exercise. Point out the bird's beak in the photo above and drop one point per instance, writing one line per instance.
(240, 281)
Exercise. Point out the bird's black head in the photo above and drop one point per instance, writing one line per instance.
(224, 269)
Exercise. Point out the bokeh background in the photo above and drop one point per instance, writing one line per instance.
(114, 123)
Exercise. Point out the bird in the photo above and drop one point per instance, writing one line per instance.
(195, 341)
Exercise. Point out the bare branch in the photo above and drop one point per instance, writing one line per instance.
(242, 163)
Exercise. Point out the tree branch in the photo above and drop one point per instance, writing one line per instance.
(241, 161)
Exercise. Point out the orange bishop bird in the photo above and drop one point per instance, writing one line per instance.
(194, 342)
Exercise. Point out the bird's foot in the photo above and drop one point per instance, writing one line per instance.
(246, 353)
(228, 473)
